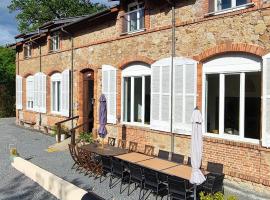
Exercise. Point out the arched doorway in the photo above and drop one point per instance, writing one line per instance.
(88, 99)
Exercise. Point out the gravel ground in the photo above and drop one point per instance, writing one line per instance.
(31, 145)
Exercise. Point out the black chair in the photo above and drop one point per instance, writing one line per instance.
(178, 158)
(152, 183)
(189, 161)
(111, 141)
(136, 176)
(177, 189)
(214, 167)
(118, 171)
(213, 183)
(74, 155)
(163, 154)
(106, 166)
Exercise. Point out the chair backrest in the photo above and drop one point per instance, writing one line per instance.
(151, 178)
(73, 152)
(121, 144)
(133, 146)
(189, 161)
(111, 141)
(214, 167)
(117, 167)
(149, 150)
(163, 154)
(218, 183)
(135, 172)
(178, 158)
(177, 187)
(106, 163)
(81, 156)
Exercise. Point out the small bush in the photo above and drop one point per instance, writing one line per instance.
(216, 196)
(86, 137)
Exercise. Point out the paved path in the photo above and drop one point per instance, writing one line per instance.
(31, 145)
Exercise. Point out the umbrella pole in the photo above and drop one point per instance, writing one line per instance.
(195, 192)
(102, 143)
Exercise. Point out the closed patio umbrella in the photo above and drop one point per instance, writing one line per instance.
(197, 176)
(102, 131)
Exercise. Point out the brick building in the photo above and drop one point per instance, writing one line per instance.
(221, 65)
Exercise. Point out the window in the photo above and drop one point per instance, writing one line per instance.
(233, 97)
(56, 92)
(30, 92)
(54, 42)
(27, 50)
(227, 4)
(134, 18)
(18, 92)
(136, 94)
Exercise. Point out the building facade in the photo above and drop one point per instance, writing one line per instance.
(222, 66)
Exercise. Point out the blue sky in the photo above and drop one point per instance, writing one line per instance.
(8, 25)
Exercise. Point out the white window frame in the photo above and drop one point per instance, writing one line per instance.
(135, 71)
(53, 40)
(233, 7)
(27, 50)
(30, 92)
(57, 77)
(139, 8)
(228, 69)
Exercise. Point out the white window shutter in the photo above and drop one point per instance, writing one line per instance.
(36, 92)
(43, 89)
(109, 77)
(65, 90)
(266, 102)
(185, 93)
(161, 95)
(18, 92)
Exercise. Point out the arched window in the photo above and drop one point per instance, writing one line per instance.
(136, 101)
(56, 80)
(30, 92)
(232, 96)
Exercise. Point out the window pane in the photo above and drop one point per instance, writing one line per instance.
(224, 4)
(138, 99)
(241, 2)
(58, 95)
(141, 12)
(232, 100)
(127, 98)
(253, 105)
(133, 21)
(147, 99)
(53, 96)
(212, 103)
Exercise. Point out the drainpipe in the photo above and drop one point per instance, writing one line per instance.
(40, 70)
(172, 68)
(71, 87)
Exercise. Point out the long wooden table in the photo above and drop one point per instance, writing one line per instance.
(108, 150)
(157, 164)
(134, 157)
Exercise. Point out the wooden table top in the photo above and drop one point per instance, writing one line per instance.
(157, 164)
(134, 157)
(182, 171)
(106, 151)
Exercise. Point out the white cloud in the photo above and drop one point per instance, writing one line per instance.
(4, 3)
(6, 36)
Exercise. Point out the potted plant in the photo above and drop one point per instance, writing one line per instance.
(63, 133)
(86, 137)
(215, 196)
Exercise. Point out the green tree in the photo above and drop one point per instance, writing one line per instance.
(33, 13)
(7, 82)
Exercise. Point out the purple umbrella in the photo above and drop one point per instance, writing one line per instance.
(102, 131)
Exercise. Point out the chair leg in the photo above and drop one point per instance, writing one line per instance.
(140, 191)
(110, 184)
(121, 186)
(128, 186)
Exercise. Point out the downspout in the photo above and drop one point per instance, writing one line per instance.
(172, 69)
(71, 86)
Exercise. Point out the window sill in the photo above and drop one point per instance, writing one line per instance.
(136, 124)
(228, 10)
(55, 114)
(54, 51)
(133, 32)
(232, 137)
(27, 57)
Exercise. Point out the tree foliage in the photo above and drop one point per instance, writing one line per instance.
(33, 13)
(7, 82)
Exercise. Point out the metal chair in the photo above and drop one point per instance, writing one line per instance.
(118, 171)
(177, 189)
(111, 141)
(74, 155)
(149, 150)
(86, 159)
(178, 158)
(213, 183)
(132, 146)
(163, 154)
(106, 166)
(136, 176)
(214, 167)
(189, 161)
(152, 183)
(121, 144)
